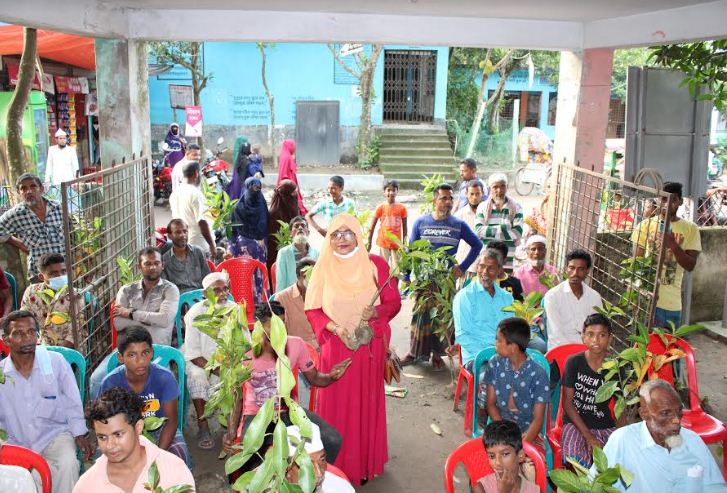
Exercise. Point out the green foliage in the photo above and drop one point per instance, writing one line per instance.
(529, 309)
(704, 63)
(622, 60)
(152, 423)
(364, 219)
(50, 298)
(127, 271)
(371, 152)
(580, 480)
(220, 207)
(153, 483)
(283, 235)
(429, 183)
(186, 54)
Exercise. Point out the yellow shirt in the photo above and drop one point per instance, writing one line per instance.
(670, 284)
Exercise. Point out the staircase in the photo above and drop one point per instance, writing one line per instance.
(409, 151)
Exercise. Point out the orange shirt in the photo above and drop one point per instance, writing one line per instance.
(391, 217)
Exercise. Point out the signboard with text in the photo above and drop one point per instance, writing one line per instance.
(194, 121)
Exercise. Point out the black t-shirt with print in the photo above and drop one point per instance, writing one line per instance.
(579, 376)
(513, 286)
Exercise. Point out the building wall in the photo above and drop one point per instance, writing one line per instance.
(234, 102)
(709, 276)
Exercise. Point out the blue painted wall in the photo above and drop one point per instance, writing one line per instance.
(295, 71)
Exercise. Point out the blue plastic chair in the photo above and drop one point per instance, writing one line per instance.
(188, 299)
(13, 288)
(163, 355)
(78, 365)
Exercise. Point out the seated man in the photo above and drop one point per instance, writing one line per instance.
(658, 451)
(199, 348)
(535, 268)
(326, 482)
(127, 456)
(52, 275)
(153, 383)
(477, 308)
(40, 405)
(292, 299)
(285, 273)
(185, 265)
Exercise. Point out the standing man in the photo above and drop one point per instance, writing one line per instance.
(40, 405)
(467, 175)
(184, 265)
(62, 164)
(442, 230)
(188, 203)
(500, 218)
(332, 207)
(682, 246)
(34, 226)
(288, 256)
(193, 154)
(468, 214)
(535, 270)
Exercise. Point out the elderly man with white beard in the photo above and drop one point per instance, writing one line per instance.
(288, 256)
(659, 453)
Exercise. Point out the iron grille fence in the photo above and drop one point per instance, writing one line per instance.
(620, 224)
(409, 85)
(712, 208)
(111, 216)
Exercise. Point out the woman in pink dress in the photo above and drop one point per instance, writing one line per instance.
(288, 170)
(341, 301)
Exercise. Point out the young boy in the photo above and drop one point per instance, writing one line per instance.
(153, 383)
(586, 424)
(507, 282)
(504, 446)
(393, 220)
(255, 163)
(116, 417)
(337, 204)
(517, 386)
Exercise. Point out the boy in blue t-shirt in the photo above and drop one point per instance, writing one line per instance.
(518, 387)
(153, 383)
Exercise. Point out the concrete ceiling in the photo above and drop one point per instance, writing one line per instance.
(556, 24)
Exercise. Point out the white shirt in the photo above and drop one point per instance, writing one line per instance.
(16, 479)
(469, 216)
(335, 484)
(565, 313)
(178, 174)
(188, 203)
(62, 164)
(197, 344)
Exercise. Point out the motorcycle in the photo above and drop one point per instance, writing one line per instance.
(216, 170)
(162, 176)
(162, 242)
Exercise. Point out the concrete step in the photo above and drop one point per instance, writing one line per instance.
(423, 142)
(418, 159)
(415, 176)
(443, 151)
(410, 129)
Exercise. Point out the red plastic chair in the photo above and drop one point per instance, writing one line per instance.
(212, 266)
(554, 429)
(15, 455)
(273, 275)
(473, 455)
(313, 389)
(336, 471)
(242, 282)
(709, 428)
(4, 350)
(464, 375)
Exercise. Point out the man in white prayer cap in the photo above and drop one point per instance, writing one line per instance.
(534, 271)
(326, 481)
(199, 349)
(62, 162)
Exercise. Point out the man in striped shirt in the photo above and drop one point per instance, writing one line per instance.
(500, 218)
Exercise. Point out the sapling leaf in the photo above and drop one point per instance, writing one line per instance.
(565, 480)
(600, 460)
(606, 391)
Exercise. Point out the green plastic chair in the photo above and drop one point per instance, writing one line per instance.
(163, 355)
(14, 288)
(78, 365)
(188, 299)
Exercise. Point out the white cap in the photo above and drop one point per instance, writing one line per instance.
(536, 239)
(497, 178)
(213, 277)
(61, 133)
(311, 446)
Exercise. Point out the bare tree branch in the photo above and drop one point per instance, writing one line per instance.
(342, 62)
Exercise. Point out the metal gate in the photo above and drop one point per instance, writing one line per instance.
(409, 86)
(317, 132)
(111, 216)
(609, 218)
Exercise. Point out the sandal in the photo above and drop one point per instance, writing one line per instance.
(204, 439)
(408, 360)
(438, 364)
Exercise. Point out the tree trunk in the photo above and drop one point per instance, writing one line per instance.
(196, 91)
(365, 86)
(493, 106)
(271, 103)
(26, 73)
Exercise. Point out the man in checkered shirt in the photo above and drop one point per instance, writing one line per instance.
(35, 225)
(328, 209)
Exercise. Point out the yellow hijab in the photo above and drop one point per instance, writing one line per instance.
(342, 287)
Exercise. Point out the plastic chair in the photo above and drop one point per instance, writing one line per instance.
(15, 455)
(464, 375)
(114, 333)
(163, 355)
(560, 356)
(4, 350)
(78, 365)
(313, 389)
(242, 282)
(212, 266)
(13, 289)
(273, 276)
(473, 456)
(709, 428)
(186, 299)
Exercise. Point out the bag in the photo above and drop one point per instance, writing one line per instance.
(392, 367)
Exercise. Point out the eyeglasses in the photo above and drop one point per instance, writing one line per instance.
(347, 235)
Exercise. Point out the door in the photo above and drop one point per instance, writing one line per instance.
(317, 132)
(409, 84)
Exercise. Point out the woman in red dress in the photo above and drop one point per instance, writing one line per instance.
(288, 170)
(340, 299)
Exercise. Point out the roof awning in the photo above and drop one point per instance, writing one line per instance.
(73, 50)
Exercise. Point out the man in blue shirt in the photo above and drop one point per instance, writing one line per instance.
(478, 308)
(468, 176)
(658, 451)
(441, 229)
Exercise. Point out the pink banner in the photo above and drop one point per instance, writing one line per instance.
(76, 85)
(47, 85)
(194, 121)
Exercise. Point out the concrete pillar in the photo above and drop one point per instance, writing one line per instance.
(123, 99)
(584, 91)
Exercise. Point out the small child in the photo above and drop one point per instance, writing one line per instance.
(517, 387)
(586, 424)
(255, 163)
(507, 282)
(393, 220)
(504, 447)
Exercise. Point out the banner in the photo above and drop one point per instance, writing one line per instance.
(74, 85)
(47, 85)
(194, 121)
